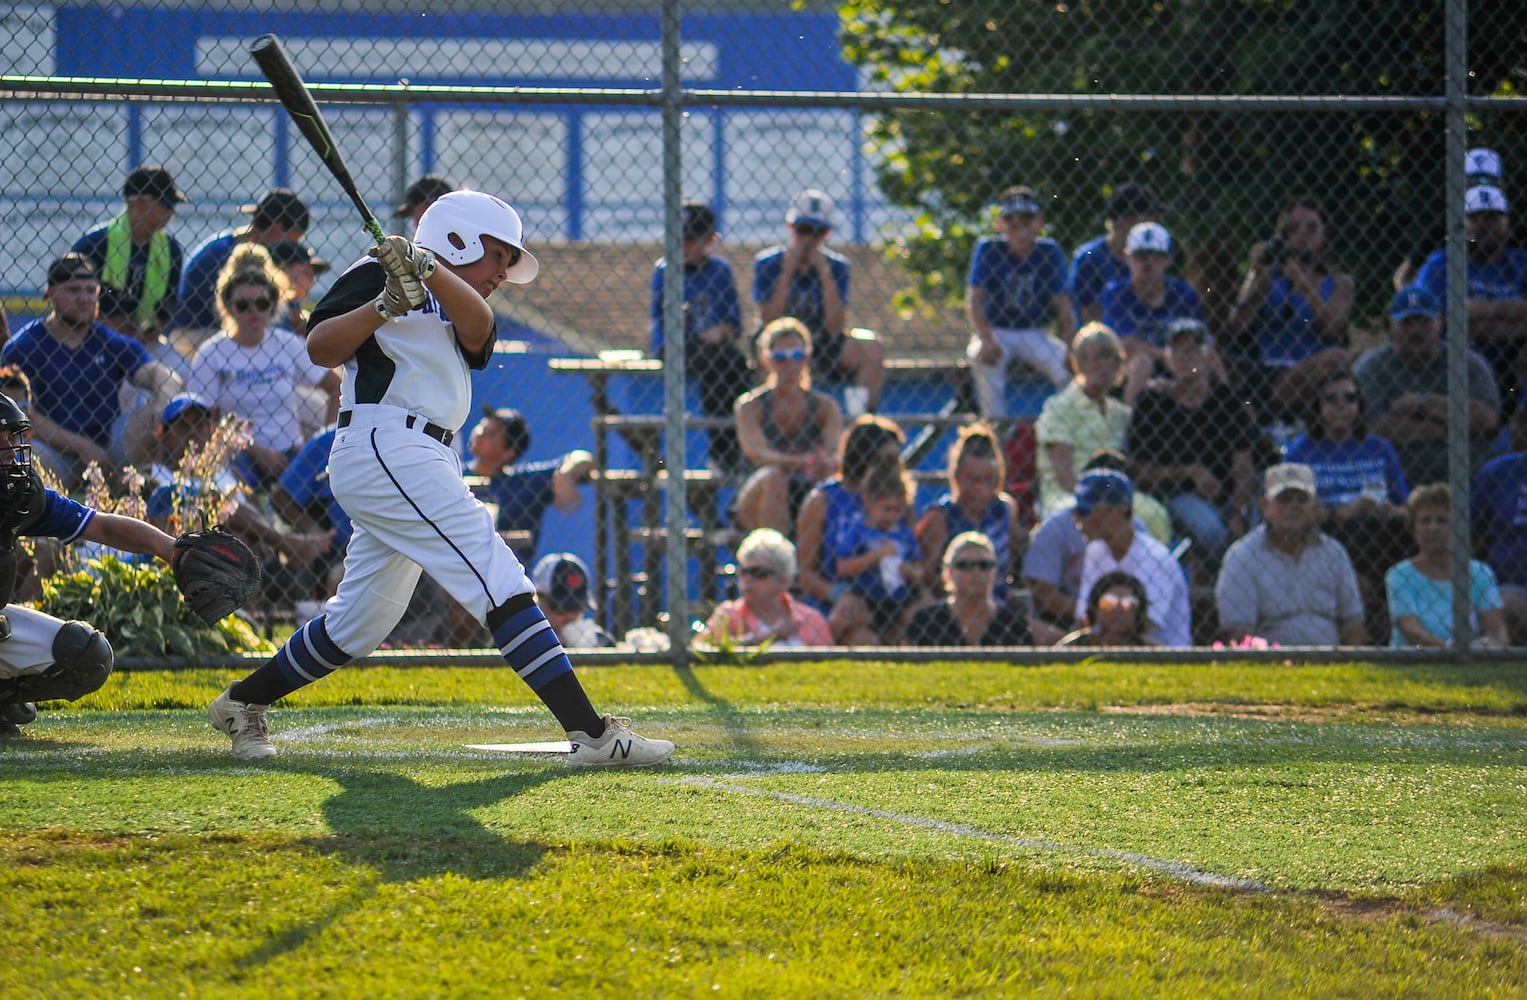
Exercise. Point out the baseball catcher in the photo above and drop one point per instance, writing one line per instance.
(41, 657)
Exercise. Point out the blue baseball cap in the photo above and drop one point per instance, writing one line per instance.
(1104, 488)
(180, 404)
(1413, 300)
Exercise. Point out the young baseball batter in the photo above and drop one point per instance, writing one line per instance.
(407, 332)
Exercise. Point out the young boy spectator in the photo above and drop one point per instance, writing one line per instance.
(521, 493)
(78, 366)
(1015, 286)
(880, 559)
(562, 590)
(138, 263)
(804, 279)
(713, 355)
(1143, 309)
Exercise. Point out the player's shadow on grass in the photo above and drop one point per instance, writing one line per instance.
(404, 831)
(724, 711)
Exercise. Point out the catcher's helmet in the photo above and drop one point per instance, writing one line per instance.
(15, 422)
(455, 224)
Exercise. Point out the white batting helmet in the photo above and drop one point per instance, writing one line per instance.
(455, 224)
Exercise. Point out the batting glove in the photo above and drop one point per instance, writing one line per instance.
(404, 260)
(400, 296)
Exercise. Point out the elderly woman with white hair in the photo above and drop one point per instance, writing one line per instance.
(766, 567)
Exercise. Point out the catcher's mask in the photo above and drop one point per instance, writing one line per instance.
(15, 433)
(455, 224)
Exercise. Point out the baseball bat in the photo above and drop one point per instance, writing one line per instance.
(294, 97)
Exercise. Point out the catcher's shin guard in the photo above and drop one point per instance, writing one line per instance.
(82, 660)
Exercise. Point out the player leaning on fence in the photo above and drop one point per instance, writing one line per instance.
(407, 333)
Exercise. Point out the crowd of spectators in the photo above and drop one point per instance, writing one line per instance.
(1264, 481)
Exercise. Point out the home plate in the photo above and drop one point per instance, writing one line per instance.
(551, 746)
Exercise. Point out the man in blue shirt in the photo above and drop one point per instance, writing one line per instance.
(1498, 513)
(1497, 276)
(803, 278)
(1016, 286)
(713, 354)
(77, 367)
(1100, 262)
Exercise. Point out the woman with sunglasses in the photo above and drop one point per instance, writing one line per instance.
(1290, 318)
(253, 368)
(971, 614)
(1360, 485)
(765, 612)
(1116, 613)
(787, 430)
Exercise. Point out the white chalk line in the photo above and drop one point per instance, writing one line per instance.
(1176, 869)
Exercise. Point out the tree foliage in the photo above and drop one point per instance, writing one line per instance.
(1223, 174)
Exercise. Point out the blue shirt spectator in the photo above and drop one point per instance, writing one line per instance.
(1019, 292)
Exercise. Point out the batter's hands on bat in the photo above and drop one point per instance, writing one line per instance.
(400, 296)
(404, 260)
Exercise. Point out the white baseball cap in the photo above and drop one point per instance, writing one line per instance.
(1148, 237)
(1482, 163)
(1484, 198)
(812, 208)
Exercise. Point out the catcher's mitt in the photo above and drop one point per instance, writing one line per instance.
(215, 571)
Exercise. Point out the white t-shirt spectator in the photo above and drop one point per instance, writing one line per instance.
(258, 383)
(1166, 587)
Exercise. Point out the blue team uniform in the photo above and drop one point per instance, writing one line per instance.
(1128, 316)
(1020, 292)
(710, 297)
(861, 538)
(1498, 511)
(196, 305)
(804, 300)
(1093, 269)
(522, 492)
(1501, 281)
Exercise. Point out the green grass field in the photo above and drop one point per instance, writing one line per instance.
(836, 829)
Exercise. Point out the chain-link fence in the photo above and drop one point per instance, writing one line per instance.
(992, 319)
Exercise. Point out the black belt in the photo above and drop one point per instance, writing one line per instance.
(435, 431)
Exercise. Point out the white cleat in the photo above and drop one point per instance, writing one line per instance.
(245, 723)
(618, 747)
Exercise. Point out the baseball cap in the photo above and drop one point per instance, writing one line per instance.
(292, 252)
(1482, 164)
(1413, 300)
(516, 430)
(699, 221)
(811, 208)
(1286, 476)
(421, 192)
(1103, 488)
(1132, 199)
(180, 404)
(156, 182)
(1187, 326)
(562, 581)
(1484, 198)
(1020, 203)
(70, 267)
(279, 205)
(1148, 237)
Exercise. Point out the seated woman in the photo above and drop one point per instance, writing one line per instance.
(1117, 609)
(975, 502)
(1083, 417)
(765, 612)
(1421, 587)
(971, 614)
(787, 431)
(253, 368)
(1291, 315)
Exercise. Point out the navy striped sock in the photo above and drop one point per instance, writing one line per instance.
(525, 637)
(307, 656)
